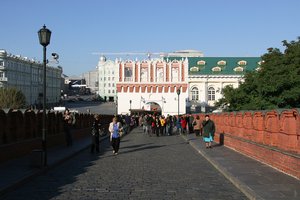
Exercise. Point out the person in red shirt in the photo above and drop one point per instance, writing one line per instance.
(183, 124)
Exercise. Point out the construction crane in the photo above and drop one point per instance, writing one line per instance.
(148, 54)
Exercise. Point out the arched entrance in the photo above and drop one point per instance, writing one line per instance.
(152, 107)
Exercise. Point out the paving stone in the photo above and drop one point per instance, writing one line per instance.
(146, 168)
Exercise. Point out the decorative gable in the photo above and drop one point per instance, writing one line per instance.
(201, 62)
(221, 63)
(238, 69)
(242, 63)
(194, 69)
(216, 69)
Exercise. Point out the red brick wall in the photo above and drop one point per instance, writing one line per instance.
(272, 137)
(20, 133)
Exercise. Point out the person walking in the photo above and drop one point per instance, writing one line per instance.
(197, 126)
(95, 134)
(190, 124)
(68, 119)
(115, 129)
(183, 125)
(208, 131)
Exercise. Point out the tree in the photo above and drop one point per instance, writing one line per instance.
(12, 98)
(275, 85)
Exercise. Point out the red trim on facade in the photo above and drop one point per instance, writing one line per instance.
(137, 88)
(131, 88)
(120, 72)
(160, 89)
(182, 72)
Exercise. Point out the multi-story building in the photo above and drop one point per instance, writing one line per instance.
(108, 75)
(152, 85)
(92, 80)
(209, 75)
(27, 76)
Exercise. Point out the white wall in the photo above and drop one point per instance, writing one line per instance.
(169, 106)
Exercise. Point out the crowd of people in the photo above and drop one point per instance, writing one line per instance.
(155, 125)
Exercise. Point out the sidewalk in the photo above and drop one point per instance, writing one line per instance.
(16, 172)
(256, 180)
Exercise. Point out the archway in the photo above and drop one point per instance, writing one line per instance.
(152, 107)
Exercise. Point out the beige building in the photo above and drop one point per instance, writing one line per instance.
(27, 76)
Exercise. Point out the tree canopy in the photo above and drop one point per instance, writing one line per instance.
(275, 85)
(12, 98)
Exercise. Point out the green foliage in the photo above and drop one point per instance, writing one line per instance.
(12, 98)
(275, 85)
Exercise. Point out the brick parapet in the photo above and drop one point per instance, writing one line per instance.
(272, 137)
(20, 132)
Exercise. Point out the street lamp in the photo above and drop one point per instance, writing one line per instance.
(178, 93)
(130, 104)
(116, 104)
(44, 37)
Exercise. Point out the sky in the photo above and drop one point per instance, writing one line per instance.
(82, 27)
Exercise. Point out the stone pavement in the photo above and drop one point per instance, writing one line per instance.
(256, 180)
(147, 168)
(19, 171)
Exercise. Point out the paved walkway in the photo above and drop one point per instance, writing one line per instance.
(256, 180)
(19, 171)
(146, 168)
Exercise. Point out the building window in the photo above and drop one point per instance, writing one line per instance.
(113, 85)
(195, 94)
(211, 94)
(159, 75)
(144, 75)
(108, 78)
(108, 91)
(1, 63)
(128, 74)
(112, 78)
(108, 84)
(113, 91)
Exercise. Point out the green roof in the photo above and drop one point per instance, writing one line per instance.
(220, 65)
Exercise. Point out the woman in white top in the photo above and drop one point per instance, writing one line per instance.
(115, 129)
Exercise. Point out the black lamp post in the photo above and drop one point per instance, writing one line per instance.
(44, 37)
(116, 112)
(178, 93)
(130, 104)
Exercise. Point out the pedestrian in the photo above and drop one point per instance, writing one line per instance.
(208, 131)
(157, 126)
(197, 126)
(163, 125)
(68, 119)
(178, 125)
(95, 134)
(183, 125)
(191, 120)
(115, 129)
